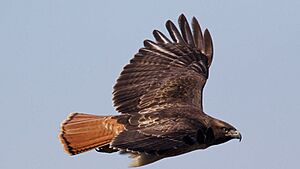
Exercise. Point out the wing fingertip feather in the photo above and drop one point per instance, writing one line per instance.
(208, 46)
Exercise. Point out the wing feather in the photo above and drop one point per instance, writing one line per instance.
(208, 46)
(186, 31)
(174, 33)
(166, 73)
(198, 37)
(160, 37)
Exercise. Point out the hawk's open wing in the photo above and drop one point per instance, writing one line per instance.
(166, 73)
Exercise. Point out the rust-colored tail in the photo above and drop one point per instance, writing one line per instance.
(82, 132)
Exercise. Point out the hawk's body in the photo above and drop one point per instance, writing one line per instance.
(159, 94)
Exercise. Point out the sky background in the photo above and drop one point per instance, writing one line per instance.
(60, 56)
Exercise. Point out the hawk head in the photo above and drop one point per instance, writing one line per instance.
(222, 132)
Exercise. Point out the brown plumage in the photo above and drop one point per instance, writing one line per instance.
(159, 96)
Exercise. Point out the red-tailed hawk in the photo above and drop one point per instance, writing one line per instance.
(159, 96)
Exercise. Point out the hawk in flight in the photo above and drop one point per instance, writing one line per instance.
(159, 96)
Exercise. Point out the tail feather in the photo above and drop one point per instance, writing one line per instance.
(82, 132)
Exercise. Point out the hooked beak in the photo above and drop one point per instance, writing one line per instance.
(234, 134)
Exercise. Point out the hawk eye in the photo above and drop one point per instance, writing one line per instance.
(225, 129)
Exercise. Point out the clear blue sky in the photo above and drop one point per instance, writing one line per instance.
(61, 56)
